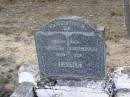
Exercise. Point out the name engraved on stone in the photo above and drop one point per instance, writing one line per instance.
(60, 54)
(63, 55)
(74, 42)
(59, 48)
(77, 55)
(54, 48)
(58, 41)
(70, 64)
(84, 49)
(69, 33)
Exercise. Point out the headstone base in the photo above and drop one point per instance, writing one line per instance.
(65, 91)
(123, 93)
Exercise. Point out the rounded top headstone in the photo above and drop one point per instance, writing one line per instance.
(71, 47)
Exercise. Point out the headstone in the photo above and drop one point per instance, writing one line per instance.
(71, 47)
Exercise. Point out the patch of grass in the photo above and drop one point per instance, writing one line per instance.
(113, 34)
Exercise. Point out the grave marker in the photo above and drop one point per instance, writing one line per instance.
(71, 48)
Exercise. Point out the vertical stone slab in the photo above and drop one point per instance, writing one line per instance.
(71, 48)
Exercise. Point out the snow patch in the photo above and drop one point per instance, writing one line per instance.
(122, 81)
(71, 92)
(29, 73)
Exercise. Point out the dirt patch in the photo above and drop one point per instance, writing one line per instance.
(7, 1)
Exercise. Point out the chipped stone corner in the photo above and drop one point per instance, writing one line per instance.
(29, 73)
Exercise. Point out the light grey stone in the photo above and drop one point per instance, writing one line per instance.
(29, 73)
(123, 93)
(24, 90)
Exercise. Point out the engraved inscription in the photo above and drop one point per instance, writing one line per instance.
(74, 42)
(90, 49)
(70, 64)
(60, 54)
(54, 48)
(57, 41)
(77, 55)
(66, 28)
(70, 33)
(66, 23)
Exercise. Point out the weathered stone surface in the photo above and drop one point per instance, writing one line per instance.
(122, 81)
(65, 91)
(121, 78)
(24, 90)
(123, 93)
(71, 48)
(29, 73)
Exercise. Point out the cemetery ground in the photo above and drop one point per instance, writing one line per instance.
(19, 18)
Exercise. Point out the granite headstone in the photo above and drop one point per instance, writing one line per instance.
(71, 47)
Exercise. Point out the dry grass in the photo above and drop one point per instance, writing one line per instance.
(7, 1)
(14, 1)
(38, 0)
(93, 2)
(116, 12)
